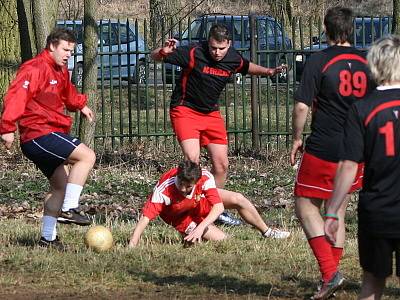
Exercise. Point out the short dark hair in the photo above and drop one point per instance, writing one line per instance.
(189, 171)
(338, 23)
(219, 32)
(60, 34)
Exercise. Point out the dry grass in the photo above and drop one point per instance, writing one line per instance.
(244, 267)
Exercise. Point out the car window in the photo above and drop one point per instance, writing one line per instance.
(366, 33)
(266, 28)
(195, 31)
(239, 27)
(126, 34)
(234, 26)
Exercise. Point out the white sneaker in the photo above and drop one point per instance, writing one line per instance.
(275, 233)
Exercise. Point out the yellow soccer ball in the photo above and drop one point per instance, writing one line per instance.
(99, 238)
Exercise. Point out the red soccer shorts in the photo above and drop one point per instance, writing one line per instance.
(315, 178)
(188, 123)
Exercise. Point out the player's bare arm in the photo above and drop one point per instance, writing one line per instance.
(255, 69)
(137, 233)
(7, 139)
(160, 53)
(344, 178)
(196, 235)
(299, 118)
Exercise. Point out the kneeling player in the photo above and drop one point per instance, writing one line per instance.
(187, 198)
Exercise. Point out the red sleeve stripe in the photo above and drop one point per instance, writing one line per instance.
(344, 57)
(240, 66)
(379, 108)
(187, 71)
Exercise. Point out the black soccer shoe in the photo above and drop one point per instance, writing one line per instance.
(74, 216)
(56, 244)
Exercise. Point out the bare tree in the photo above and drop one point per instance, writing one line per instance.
(163, 13)
(9, 44)
(86, 129)
(396, 17)
(29, 21)
(71, 9)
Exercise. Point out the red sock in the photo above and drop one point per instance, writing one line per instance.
(337, 253)
(323, 253)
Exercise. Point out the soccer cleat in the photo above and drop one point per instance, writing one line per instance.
(75, 216)
(227, 219)
(275, 233)
(56, 244)
(329, 288)
(319, 287)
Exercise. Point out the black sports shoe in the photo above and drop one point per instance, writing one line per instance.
(56, 244)
(227, 219)
(74, 215)
(330, 287)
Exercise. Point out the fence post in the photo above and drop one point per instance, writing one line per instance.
(255, 129)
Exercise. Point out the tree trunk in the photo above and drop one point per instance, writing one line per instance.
(44, 16)
(396, 17)
(9, 44)
(26, 33)
(86, 129)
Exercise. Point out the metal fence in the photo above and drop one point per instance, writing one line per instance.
(134, 91)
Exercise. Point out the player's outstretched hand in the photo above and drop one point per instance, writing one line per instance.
(296, 147)
(195, 235)
(170, 46)
(7, 139)
(88, 113)
(331, 227)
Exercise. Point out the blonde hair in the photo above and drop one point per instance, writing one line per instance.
(384, 59)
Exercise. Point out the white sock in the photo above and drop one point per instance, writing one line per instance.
(49, 228)
(72, 194)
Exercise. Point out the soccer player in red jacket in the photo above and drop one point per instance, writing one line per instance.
(187, 198)
(333, 79)
(371, 135)
(35, 103)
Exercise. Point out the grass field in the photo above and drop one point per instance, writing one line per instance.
(244, 267)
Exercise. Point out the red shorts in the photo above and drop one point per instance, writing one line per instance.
(315, 178)
(188, 123)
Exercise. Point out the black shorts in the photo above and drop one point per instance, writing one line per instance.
(376, 254)
(50, 151)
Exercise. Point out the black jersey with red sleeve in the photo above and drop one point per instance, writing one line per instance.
(372, 135)
(332, 80)
(203, 79)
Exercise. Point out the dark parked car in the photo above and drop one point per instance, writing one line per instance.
(366, 31)
(269, 36)
(116, 38)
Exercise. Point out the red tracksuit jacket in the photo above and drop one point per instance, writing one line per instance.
(37, 99)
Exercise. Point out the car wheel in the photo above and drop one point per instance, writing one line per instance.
(77, 74)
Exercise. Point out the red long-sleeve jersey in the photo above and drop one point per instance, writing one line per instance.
(37, 99)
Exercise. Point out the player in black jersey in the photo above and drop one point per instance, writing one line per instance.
(195, 116)
(206, 69)
(333, 79)
(372, 135)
